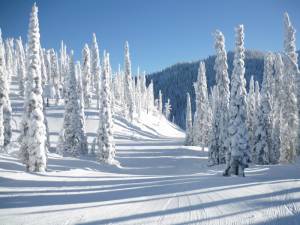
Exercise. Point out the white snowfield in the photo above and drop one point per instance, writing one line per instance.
(159, 182)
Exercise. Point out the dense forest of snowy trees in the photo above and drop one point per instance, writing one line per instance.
(260, 125)
(46, 77)
(175, 81)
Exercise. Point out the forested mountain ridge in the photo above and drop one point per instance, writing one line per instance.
(176, 80)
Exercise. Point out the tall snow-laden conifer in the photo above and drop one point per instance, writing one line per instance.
(160, 103)
(86, 75)
(9, 56)
(251, 112)
(47, 60)
(49, 91)
(219, 147)
(21, 68)
(44, 79)
(278, 104)
(167, 109)
(138, 94)
(63, 67)
(257, 96)
(81, 121)
(33, 132)
(2, 90)
(150, 98)
(43, 68)
(128, 90)
(291, 67)
(290, 39)
(237, 127)
(55, 74)
(213, 153)
(189, 122)
(106, 148)
(11, 71)
(9, 67)
(202, 116)
(290, 120)
(263, 136)
(73, 140)
(143, 91)
(95, 69)
(7, 117)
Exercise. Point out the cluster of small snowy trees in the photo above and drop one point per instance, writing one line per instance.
(132, 94)
(260, 126)
(46, 77)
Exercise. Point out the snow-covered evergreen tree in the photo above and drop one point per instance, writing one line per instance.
(106, 148)
(44, 80)
(290, 39)
(63, 59)
(202, 116)
(269, 74)
(81, 121)
(219, 145)
(262, 140)
(290, 120)
(2, 90)
(47, 59)
(189, 122)
(43, 69)
(63, 67)
(72, 136)
(86, 75)
(55, 74)
(278, 104)
(251, 112)
(95, 69)
(213, 99)
(160, 102)
(213, 153)
(167, 109)
(7, 117)
(143, 91)
(10, 72)
(262, 149)
(80, 90)
(9, 57)
(257, 96)
(237, 127)
(128, 90)
(33, 132)
(21, 68)
(138, 94)
(291, 66)
(150, 98)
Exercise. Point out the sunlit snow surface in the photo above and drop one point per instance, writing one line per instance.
(159, 182)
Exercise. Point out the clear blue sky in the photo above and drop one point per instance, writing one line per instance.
(160, 32)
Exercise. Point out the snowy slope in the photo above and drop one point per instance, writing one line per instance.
(159, 182)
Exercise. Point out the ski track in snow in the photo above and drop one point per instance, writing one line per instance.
(128, 196)
(159, 182)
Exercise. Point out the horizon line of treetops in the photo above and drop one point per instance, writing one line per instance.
(261, 126)
(44, 77)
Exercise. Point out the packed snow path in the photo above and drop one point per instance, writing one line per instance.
(160, 182)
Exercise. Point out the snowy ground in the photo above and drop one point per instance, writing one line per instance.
(159, 182)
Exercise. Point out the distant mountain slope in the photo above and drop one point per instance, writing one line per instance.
(175, 81)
